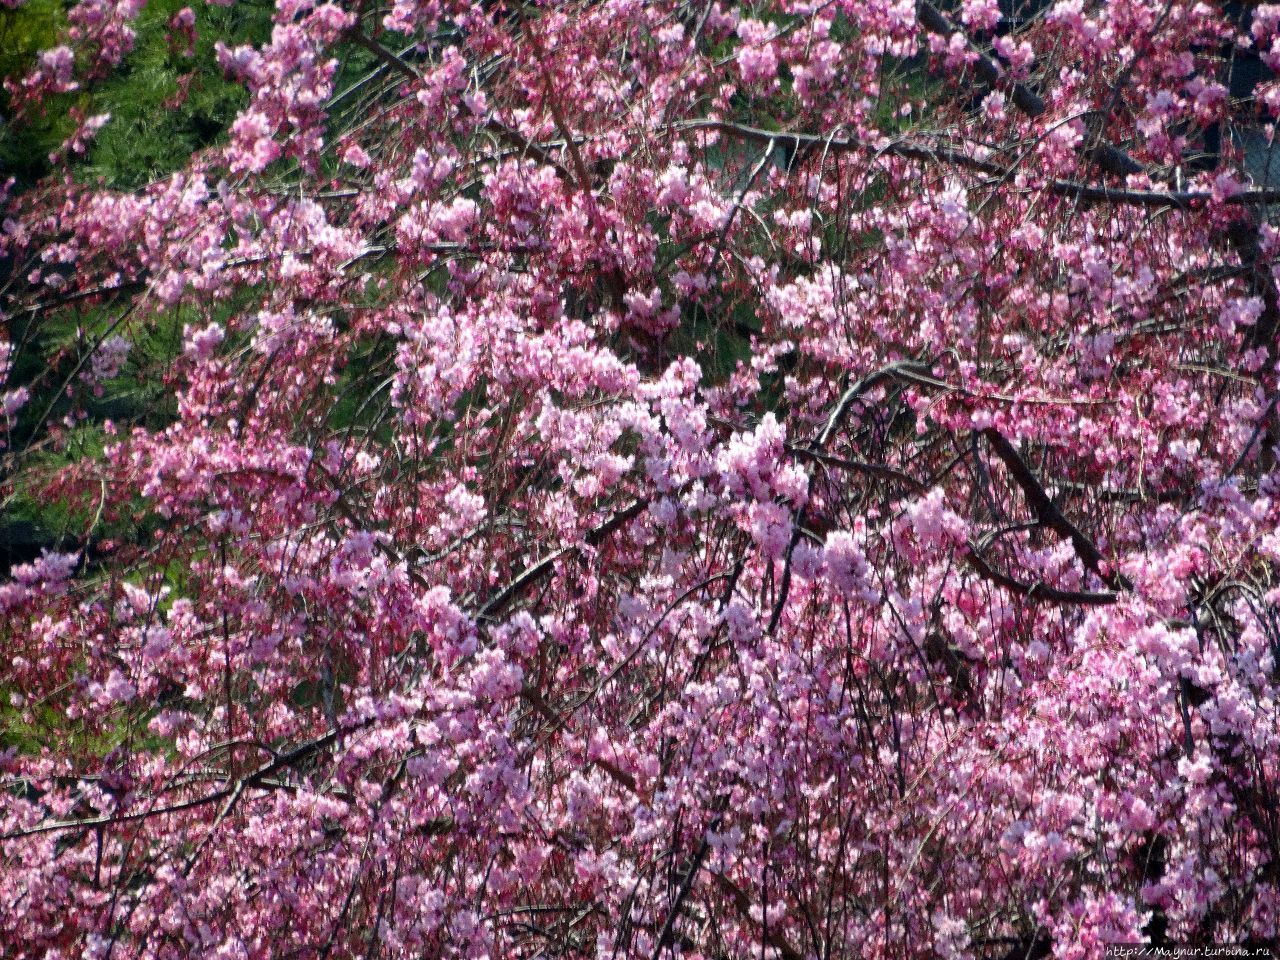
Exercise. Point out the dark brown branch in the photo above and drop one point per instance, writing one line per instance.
(1026, 100)
(742, 904)
(1110, 158)
(874, 469)
(1047, 511)
(1243, 237)
(492, 124)
(132, 286)
(1036, 591)
(1242, 234)
(532, 574)
(259, 778)
(666, 936)
(388, 57)
(1070, 189)
(867, 383)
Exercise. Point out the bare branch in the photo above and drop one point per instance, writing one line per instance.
(1047, 511)
(1036, 591)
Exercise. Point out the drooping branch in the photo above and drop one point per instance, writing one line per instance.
(881, 470)
(496, 604)
(928, 153)
(934, 20)
(257, 778)
(1106, 155)
(491, 123)
(1241, 234)
(1036, 591)
(1047, 511)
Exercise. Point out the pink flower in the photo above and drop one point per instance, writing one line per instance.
(757, 59)
(980, 14)
(203, 342)
(569, 519)
(355, 155)
(847, 567)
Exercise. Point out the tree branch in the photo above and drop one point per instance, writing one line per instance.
(1070, 189)
(532, 574)
(1047, 511)
(1036, 591)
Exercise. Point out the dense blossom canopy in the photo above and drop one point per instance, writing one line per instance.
(777, 479)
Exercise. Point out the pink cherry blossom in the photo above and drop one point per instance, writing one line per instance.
(654, 479)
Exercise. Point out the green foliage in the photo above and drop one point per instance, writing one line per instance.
(165, 103)
(33, 729)
(24, 32)
(58, 350)
(167, 99)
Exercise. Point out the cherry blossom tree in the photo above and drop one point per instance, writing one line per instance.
(694, 479)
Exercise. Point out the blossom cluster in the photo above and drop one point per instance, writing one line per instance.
(769, 479)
